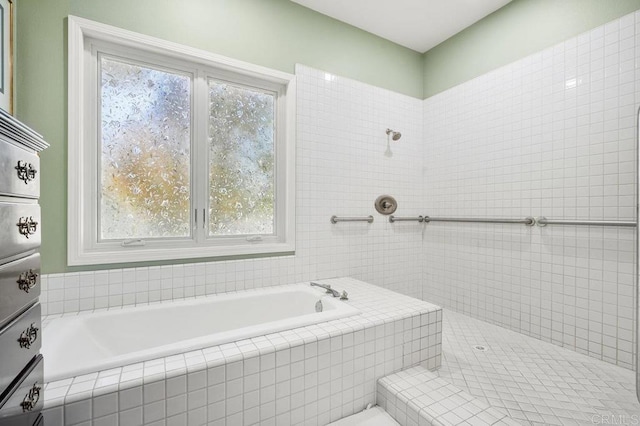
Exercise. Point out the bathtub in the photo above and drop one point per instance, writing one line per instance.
(81, 344)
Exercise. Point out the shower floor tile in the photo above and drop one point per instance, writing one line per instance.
(537, 382)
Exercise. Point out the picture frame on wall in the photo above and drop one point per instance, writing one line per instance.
(6, 55)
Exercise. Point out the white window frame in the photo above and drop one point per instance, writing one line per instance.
(86, 38)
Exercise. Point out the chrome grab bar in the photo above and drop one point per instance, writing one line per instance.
(336, 219)
(529, 221)
(393, 219)
(543, 221)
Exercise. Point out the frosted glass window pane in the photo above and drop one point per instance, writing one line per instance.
(145, 152)
(241, 160)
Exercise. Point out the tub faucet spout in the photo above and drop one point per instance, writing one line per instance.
(327, 287)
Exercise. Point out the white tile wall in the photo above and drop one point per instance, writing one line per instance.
(343, 165)
(550, 135)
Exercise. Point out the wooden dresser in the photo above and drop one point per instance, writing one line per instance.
(21, 364)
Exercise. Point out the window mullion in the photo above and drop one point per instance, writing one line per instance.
(200, 161)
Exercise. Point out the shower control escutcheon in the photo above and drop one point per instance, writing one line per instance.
(385, 204)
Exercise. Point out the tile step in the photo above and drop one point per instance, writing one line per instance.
(418, 397)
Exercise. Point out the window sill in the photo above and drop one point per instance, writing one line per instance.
(134, 254)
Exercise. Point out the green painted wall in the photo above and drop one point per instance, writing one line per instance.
(273, 33)
(519, 29)
(41, 96)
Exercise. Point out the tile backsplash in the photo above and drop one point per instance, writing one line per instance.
(550, 135)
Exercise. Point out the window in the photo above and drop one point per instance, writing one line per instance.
(144, 149)
(174, 152)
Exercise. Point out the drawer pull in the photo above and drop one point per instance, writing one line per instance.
(27, 280)
(26, 172)
(29, 336)
(31, 398)
(27, 226)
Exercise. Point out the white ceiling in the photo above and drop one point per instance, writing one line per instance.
(416, 24)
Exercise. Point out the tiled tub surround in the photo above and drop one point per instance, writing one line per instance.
(550, 135)
(314, 374)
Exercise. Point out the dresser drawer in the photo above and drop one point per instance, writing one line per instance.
(19, 172)
(21, 406)
(20, 341)
(19, 286)
(19, 228)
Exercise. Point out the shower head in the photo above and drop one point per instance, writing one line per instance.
(394, 135)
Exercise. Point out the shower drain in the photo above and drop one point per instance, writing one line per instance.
(480, 348)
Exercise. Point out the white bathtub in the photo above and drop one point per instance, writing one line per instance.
(81, 344)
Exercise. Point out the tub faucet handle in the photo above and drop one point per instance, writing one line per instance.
(327, 287)
(344, 295)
